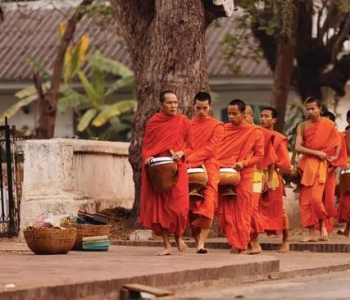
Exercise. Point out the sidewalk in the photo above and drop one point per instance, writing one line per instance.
(100, 275)
(336, 244)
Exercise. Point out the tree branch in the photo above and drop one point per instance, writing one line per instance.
(344, 34)
(132, 13)
(332, 14)
(62, 48)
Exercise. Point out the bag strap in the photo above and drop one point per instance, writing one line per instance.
(302, 129)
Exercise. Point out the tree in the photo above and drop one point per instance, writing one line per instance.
(310, 55)
(165, 40)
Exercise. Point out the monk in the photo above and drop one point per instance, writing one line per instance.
(318, 142)
(329, 192)
(344, 204)
(167, 134)
(207, 135)
(242, 148)
(261, 182)
(273, 214)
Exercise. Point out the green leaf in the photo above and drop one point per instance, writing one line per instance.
(90, 91)
(110, 65)
(114, 110)
(120, 83)
(31, 90)
(98, 81)
(86, 119)
(43, 71)
(71, 100)
(14, 108)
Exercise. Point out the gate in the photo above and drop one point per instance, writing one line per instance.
(9, 208)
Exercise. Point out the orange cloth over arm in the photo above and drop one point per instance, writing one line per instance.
(320, 136)
(169, 209)
(240, 143)
(271, 204)
(207, 135)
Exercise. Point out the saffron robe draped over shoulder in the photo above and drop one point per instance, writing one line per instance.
(169, 209)
(269, 158)
(207, 134)
(321, 136)
(243, 143)
(344, 203)
(271, 205)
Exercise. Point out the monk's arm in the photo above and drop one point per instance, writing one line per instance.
(304, 150)
(211, 147)
(258, 150)
(283, 156)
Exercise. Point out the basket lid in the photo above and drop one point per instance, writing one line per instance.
(195, 170)
(228, 170)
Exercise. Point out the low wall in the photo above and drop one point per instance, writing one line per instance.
(64, 175)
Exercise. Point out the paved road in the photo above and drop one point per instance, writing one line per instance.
(326, 286)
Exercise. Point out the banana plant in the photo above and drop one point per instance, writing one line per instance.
(74, 58)
(96, 90)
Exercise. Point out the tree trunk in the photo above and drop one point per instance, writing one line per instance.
(282, 79)
(166, 42)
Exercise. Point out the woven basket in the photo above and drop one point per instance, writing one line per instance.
(50, 240)
(86, 230)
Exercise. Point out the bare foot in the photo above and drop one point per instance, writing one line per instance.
(324, 235)
(284, 247)
(309, 239)
(181, 245)
(164, 252)
(235, 250)
(343, 232)
(255, 249)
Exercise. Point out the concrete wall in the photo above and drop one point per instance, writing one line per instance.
(62, 176)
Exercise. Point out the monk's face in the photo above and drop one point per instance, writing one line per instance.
(249, 114)
(313, 110)
(170, 104)
(235, 116)
(202, 108)
(266, 119)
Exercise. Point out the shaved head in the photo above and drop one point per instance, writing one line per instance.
(249, 114)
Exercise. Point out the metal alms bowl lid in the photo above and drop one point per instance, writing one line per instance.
(161, 160)
(345, 171)
(195, 170)
(228, 170)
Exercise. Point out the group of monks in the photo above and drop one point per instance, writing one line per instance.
(258, 153)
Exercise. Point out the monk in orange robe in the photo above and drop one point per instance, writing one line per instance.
(167, 134)
(271, 206)
(318, 142)
(207, 135)
(344, 204)
(329, 192)
(262, 179)
(242, 148)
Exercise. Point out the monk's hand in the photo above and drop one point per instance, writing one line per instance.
(268, 185)
(178, 155)
(322, 155)
(331, 158)
(149, 160)
(238, 165)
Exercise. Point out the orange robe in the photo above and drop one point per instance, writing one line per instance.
(344, 203)
(271, 205)
(329, 192)
(169, 209)
(240, 143)
(207, 135)
(269, 158)
(321, 136)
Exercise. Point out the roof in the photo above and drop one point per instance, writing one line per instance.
(29, 32)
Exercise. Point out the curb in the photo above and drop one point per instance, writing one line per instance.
(109, 289)
(312, 247)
